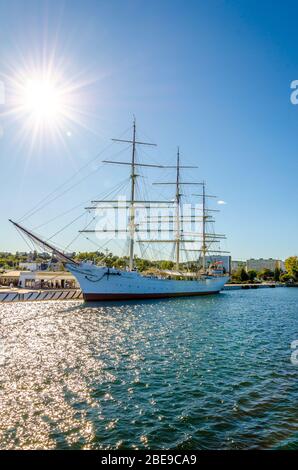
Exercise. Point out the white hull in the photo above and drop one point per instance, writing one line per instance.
(101, 283)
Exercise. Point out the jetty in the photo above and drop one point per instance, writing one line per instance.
(264, 285)
(23, 295)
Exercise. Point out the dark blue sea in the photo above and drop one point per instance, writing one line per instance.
(197, 373)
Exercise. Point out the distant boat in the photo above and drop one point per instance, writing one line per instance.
(101, 283)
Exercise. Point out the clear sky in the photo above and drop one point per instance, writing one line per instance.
(213, 77)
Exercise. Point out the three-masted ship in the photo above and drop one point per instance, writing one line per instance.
(102, 283)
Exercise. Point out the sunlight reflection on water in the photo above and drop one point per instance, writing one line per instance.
(189, 374)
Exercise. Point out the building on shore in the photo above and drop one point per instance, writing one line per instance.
(47, 280)
(29, 266)
(257, 264)
(39, 279)
(261, 263)
(10, 278)
(236, 265)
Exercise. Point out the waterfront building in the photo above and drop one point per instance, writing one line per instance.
(47, 280)
(29, 266)
(10, 278)
(261, 263)
(39, 279)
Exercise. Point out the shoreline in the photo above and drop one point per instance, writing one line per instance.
(38, 295)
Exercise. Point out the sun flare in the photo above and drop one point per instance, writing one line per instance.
(42, 100)
(46, 102)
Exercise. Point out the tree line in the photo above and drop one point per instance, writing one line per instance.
(12, 261)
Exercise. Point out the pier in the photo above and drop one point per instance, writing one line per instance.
(252, 286)
(22, 295)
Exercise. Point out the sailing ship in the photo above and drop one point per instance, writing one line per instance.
(103, 283)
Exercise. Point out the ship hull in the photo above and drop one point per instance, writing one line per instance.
(102, 284)
(135, 296)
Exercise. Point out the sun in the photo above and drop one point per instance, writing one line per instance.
(43, 100)
(43, 103)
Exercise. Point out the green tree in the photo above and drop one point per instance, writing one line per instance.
(277, 274)
(142, 264)
(252, 274)
(286, 277)
(266, 274)
(236, 275)
(120, 263)
(291, 264)
(166, 265)
(243, 275)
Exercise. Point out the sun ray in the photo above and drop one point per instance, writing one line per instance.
(46, 99)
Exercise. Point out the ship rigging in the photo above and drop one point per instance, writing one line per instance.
(205, 279)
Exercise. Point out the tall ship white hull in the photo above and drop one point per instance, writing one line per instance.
(102, 283)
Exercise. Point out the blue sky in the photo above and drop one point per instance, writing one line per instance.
(213, 77)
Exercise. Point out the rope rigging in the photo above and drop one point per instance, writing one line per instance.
(152, 250)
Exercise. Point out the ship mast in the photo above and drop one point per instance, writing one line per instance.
(178, 211)
(133, 176)
(132, 228)
(132, 200)
(133, 203)
(204, 227)
(207, 238)
(178, 236)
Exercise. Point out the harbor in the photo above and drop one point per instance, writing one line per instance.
(148, 233)
(196, 373)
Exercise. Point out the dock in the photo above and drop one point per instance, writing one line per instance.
(23, 295)
(251, 286)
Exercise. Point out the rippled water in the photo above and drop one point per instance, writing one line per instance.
(197, 373)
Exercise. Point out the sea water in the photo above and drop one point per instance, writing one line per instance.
(194, 373)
